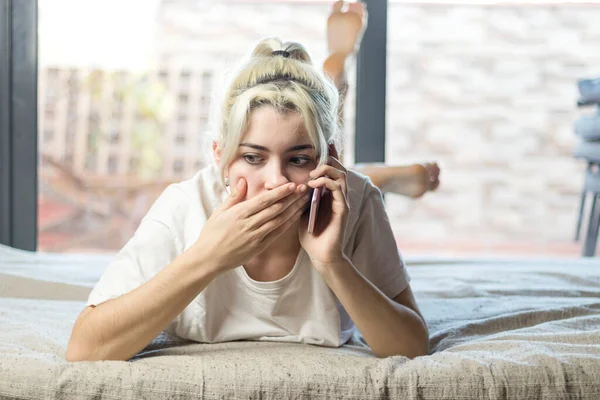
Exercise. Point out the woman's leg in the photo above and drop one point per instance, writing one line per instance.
(345, 28)
(409, 180)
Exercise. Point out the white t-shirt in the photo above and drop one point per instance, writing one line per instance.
(299, 307)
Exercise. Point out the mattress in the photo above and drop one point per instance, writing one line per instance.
(500, 328)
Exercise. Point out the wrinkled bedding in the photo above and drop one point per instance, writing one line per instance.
(499, 328)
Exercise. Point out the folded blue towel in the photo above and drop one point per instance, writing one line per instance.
(587, 127)
(588, 150)
(589, 90)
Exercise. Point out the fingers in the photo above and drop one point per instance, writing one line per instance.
(333, 170)
(237, 193)
(327, 182)
(282, 207)
(263, 201)
(325, 170)
(277, 226)
(337, 187)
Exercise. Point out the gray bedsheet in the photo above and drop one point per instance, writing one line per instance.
(500, 328)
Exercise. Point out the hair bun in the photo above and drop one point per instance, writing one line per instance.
(273, 47)
(282, 53)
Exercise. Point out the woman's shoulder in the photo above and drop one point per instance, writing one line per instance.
(360, 191)
(200, 193)
(360, 188)
(206, 181)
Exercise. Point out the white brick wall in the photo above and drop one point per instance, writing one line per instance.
(487, 91)
(490, 93)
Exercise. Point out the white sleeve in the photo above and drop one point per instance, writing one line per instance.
(375, 252)
(152, 247)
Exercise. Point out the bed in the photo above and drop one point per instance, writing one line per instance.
(499, 328)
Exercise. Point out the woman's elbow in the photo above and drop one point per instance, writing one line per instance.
(410, 353)
(417, 346)
(84, 352)
(80, 346)
(76, 352)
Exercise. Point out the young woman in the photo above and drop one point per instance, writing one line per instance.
(226, 255)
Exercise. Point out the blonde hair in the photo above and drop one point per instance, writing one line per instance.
(286, 81)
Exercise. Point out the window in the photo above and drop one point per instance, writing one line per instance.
(180, 139)
(68, 160)
(113, 164)
(185, 76)
(163, 76)
(204, 103)
(133, 164)
(90, 162)
(178, 167)
(114, 137)
(140, 93)
(203, 122)
(470, 86)
(48, 135)
(70, 134)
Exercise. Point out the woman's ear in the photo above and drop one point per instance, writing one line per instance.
(217, 151)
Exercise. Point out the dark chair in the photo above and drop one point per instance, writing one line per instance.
(588, 129)
(592, 186)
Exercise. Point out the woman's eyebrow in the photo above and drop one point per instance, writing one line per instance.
(294, 148)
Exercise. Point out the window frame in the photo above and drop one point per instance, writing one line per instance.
(18, 123)
(369, 140)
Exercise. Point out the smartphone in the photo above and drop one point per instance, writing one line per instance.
(314, 209)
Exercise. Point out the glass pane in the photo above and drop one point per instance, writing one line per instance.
(490, 92)
(125, 93)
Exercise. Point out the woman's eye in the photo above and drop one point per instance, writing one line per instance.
(300, 161)
(252, 159)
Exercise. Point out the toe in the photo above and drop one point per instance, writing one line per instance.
(356, 8)
(337, 6)
(433, 170)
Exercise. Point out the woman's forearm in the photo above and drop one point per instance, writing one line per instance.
(388, 327)
(119, 328)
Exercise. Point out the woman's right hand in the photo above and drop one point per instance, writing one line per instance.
(236, 232)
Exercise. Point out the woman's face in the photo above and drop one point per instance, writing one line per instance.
(275, 150)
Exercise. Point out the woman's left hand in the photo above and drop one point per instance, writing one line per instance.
(325, 245)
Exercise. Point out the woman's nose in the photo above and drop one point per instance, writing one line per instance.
(275, 177)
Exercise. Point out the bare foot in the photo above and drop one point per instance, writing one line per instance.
(345, 27)
(413, 180)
